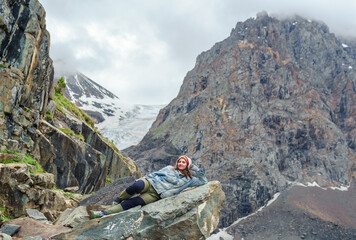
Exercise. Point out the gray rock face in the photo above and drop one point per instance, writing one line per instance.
(271, 104)
(26, 72)
(26, 96)
(193, 214)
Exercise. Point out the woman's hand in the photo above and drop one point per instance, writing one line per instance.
(195, 168)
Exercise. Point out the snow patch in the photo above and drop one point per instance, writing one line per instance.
(128, 128)
(221, 235)
(344, 45)
(314, 184)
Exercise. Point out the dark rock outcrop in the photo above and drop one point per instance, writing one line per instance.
(193, 214)
(302, 213)
(26, 72)
(273, 103)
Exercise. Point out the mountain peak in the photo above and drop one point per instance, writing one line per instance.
(270, 105)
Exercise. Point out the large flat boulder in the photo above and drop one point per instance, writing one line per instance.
(193, 214)
(31, 227)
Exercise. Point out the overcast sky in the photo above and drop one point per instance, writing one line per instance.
(141, 49)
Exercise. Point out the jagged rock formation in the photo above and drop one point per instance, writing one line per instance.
(273, 103)
(26, 101)
(193, 214)
(21, 189)
(26, 72)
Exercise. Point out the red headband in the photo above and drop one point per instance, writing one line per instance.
(185, 159)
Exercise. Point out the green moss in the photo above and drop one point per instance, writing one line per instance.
(23, 158)
(49, 115)
(71, 133)
(3, 217)
(68, 194)
(107, 180)
(67, 131)
(63, 102)
(80, 137)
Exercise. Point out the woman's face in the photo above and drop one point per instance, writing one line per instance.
(181, 164)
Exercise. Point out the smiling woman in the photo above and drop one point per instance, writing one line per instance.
(167, 182)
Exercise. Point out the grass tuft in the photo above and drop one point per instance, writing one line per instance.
(23, 158)
(63, 102)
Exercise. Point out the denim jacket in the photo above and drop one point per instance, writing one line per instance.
(169, 182)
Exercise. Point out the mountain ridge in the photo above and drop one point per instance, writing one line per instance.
(269, 105)
(122, 122)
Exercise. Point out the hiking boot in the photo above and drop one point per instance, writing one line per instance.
(96, 214)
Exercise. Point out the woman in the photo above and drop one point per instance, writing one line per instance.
(167, 182)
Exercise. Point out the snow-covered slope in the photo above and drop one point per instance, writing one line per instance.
(129, 129)
(122, 122)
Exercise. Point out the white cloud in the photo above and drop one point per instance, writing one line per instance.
(141, 50)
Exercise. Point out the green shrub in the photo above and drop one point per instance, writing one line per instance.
(61, 84)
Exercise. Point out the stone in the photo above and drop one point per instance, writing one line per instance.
(196, 211)
(37, 215)
(33, 238)
(4, 236)
(72, 189)
(33, 228)
(73, 217)
(45, 180)
(10, 229)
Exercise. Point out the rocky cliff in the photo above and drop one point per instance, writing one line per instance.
(272, 104)
(31, 122)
